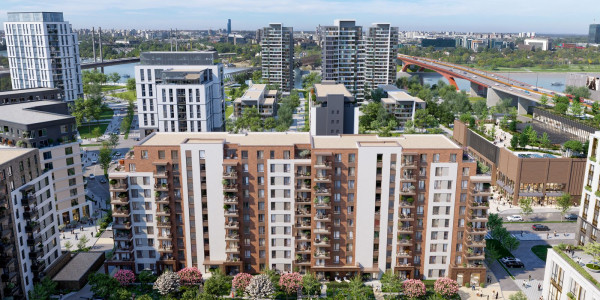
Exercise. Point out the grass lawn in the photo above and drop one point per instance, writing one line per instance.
(228, 111)
(107, 88)
(541, 251)
(107, 113)
(475, 99)
(129, 95)
(86, 131)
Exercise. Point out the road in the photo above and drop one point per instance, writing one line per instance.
(539, 216)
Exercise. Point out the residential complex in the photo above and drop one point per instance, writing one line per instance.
(343, 56)
(400, 104)
(257, 95)
(43, 51)
(277, 52)
(381, 54)
(30, 238)
(28, 95)
(566, 277)
(333, 110)
(48, 126)
(180, 92)
(540, 176)
(333, 205)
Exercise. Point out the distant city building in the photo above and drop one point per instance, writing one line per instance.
(257, 96)
(343, 58)
(381, 54)
(179, 92)
(400, 104)
(43, 51)
(594, 35)
(539, 44)
(277, 52)
(334, 110)
(30, 237)
(228, 26)
(48, 126)
(438, 43)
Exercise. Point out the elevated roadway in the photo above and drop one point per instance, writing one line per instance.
(486, 84)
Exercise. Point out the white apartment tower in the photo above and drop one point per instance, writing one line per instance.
(381, 51)
(43, 52)
(277, 51)
(343, 55)
(180, 92)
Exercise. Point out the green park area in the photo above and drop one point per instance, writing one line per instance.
(541, 251)
(88, 132)
(128, 95)
(107, 113)
(108, 88)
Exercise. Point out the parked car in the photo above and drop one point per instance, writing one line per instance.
(514, 218)
(103, 180)
(539, 227)
(94, 161)
(514, 264)
(509, 259)
(571, 217)
(92, 176)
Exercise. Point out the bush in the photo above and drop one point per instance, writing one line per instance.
(241, 281)
(446, 287)
(166, 283)
(260, 287)
(413, 288)
(125, 277)
(190, 276)
(291, 282)
(218, 284)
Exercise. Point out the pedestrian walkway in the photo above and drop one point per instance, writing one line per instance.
(528, 236)
(532, 289)
(489, 290)
(74, 235)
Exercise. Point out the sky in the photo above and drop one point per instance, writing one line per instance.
(541, 16)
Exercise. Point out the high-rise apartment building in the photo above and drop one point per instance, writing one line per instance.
(334, 111)
(333, 205)
(228, 26)
(277, 52)
(381, 53)
(594, 34)
(30, 238)
(343, 55)
(180, 92)
(43, 51)
(48, 126)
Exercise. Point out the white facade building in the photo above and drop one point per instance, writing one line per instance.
(179, 92)
(561, 278)
(277, 52)
(381, 53)
(43, 51)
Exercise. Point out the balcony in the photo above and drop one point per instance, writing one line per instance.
(408, 204)
(126, 248)
(480, 191)
(231, 188)
(32, 226)
(30, 213)
(232, 237)
(405, 229)
(161, 174)
(303, 236)
(163, 223)
(232, 225)
(409, 164)
(480, 205)
(322, 165)
(323, 204)
(33, 240)
(322, 255)
(302, 200)
(230, 175)
(231, 199)
(322, 230)
(478, 217)
(405, 217)
(162, 187)
(303, 250)
(303, 175)
(408, 178)
(231, 212)
(6, 260)
(163, 200)
(123, 237)
(476, 243)
(405, 240)
(302, 213)
(475, 255)
(303, 188)
(123, 213)
(118, 185)
(322, 242)
(165, 211)
(323, 192)
(232, 249)
(165, 248)
(405, 254)
(166, 236)
(38, 266)
(122, 225)
(476, 230)
(120, 198)
(303, 225)
(303, 262)
(408, 191)
(325, 179)
(323, 217)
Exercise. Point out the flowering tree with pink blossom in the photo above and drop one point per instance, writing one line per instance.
(446, 287)
(291, 282)
(413, 288)
(125, 277)
(190, 276)
(240, 282)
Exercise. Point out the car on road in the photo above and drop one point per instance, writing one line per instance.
(496, 84)
(117, 154)
(514, 218)
(514, 264)
(92, 176)
(94, 161)
(540, 227)
(509, 259)
(103, 180)
(571, 217)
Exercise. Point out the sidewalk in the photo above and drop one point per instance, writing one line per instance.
(527, 236)
(483, 293)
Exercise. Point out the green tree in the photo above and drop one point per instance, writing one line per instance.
(103, 285)
(544, 100)
(523, 140)
(120, 294)
(576, 108)
(514, 141)
(595, 107)
(355, 288)
(578, 92)
(592, 249)
(68, 245)
(270, 123)
(218, 284)
(492, 254)
(525, 204)
(391, 283)
(564, 203)
(494, 221)
(480, 108)
(545, 140)
(499, 234)
(43, 290)
(113, 140)
(511, 242)
(78, 110)
(311, 285)
(130, 84)
(105, 158)
(114, 77)
(573, 146)
(377, 94)
(146, 279)
(96, 132)
(82, 242)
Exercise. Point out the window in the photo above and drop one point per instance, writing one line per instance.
(144, 154)
(70, 161)
(452, 157)
(47, 155)
(161, 154)
(436, 157)
(68, 150)
(351, 157)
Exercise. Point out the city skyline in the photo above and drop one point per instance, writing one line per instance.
(433, 15)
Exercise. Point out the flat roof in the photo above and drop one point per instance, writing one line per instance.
(350, 141)
(25, 113)
(331, 89)
(403, 96)
(78, 266)
(8, 154)
(28, 91)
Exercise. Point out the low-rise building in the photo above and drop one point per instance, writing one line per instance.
(257, 95)
(539, 44)
(48, 126)
(332, 205)
(400, 104)
(29, 95)
(30, 238)
(333, 110)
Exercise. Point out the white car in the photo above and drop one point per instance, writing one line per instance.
(92, 176)
(514, 218)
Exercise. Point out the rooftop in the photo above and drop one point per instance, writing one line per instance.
(27, 114)
(255, 92)
(8, 154)
(402, 96)
(409, 141)
(78, 266)
(27, 91)
(330, 88)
